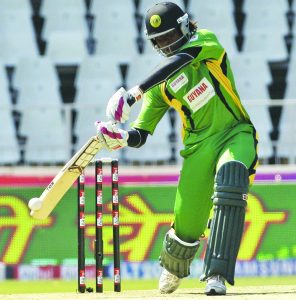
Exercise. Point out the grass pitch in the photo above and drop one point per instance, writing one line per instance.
(59, 286)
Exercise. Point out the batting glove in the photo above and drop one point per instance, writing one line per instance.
(119, 105)
(113, 137)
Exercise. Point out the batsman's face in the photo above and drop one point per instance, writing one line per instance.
(168, 39)
(169, 43)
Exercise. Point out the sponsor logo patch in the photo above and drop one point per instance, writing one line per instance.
(199, 95)
(155, 21)
(180, 81)
(194, 38)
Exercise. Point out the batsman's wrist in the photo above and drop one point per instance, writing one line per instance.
(136, 93)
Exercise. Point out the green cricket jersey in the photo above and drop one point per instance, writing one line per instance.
(198, 83)
(201, 90)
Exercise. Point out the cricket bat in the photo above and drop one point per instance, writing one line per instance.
(63, 181)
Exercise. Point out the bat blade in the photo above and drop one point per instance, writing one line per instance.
(63, 181)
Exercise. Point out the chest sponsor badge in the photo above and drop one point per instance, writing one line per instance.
(180, 81)
(199, 95)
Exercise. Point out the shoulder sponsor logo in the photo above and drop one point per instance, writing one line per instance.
(199, 95)
(179, 82)
(194, 38)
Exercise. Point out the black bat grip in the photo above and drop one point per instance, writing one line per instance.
(131, 100)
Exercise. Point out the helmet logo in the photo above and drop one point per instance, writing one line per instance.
(155, 21)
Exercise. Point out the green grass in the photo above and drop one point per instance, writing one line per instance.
(59, 286)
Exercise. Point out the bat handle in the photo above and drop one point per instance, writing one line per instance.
(131, 100)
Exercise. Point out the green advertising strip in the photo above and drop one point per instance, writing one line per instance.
(145, 215)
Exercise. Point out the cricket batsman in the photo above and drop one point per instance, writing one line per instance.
(219, 155)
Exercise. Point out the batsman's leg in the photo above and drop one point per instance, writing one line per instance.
(191, 212)
(230, 194)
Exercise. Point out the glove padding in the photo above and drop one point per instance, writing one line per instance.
(113, 137)
(119, 105)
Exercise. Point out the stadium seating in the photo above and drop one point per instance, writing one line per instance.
(253, 87)
(10, 152)
(4, 88)
(44, 42)
(273, 6)
(287, 139)
(243, 66)
(47, 141)
(263, 45)
(52, 7)
(121, 28)
(99, 68)
(18, 25)
(30, 71)
(219, 14)
(144, 5)
(291, 75)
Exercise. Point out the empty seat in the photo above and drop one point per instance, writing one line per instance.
(42, 93)
(219, 19)
(4, 89)
(115, 28)
(228, 42)
(97, 93)
(66, 48)
(260, 117)
(103, 68)
(51, 7)
(290, 92)
(254, 95)
(47, 138)
(112, 9)
(243, 65)
(65, 22)
(15, 6)
(33, 70)
(287, 133)
(9, 148)
(265, 45)
(144, 5)
(274, 6)
(17, 37)
(263, 20)
(119, 43)
(141, 67)
(199, 5)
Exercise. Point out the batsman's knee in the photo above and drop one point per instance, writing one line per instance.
(177, 255)
(231, 182)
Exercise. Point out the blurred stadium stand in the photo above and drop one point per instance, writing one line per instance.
(59, 64)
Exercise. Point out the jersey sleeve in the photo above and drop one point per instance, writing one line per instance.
(152, 110)
(202, 46)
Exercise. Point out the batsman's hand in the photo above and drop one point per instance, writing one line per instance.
(113, 137)
(119, 105)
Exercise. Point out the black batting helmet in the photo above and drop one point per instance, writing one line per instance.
(167, 27)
